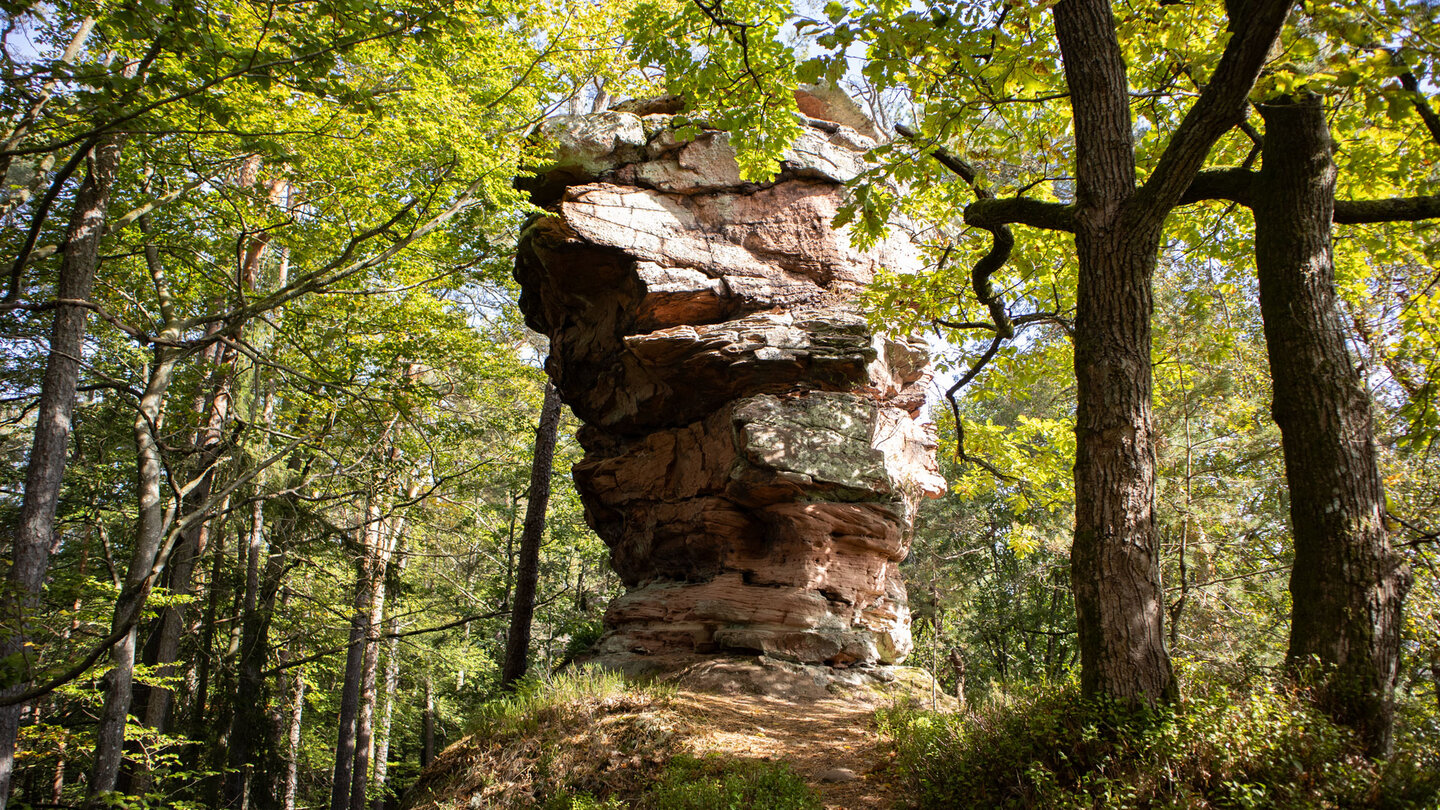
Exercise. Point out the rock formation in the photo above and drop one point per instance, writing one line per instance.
(753, 452)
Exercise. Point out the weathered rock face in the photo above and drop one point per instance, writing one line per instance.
(753, 455)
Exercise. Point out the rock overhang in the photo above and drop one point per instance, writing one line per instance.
(754, 452)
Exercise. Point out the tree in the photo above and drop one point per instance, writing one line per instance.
(33, 539)
(517, 645)
(1347, 585)
(442, 114)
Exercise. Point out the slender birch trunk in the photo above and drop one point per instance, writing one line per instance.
(427, 721)
(292, 753)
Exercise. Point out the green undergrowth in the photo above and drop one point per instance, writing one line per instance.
(587, 740)
(584, 733)
(583, 689)
(711, 783)
(1222, 745)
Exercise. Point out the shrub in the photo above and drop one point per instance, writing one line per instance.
(535, 701)
(1248, 745)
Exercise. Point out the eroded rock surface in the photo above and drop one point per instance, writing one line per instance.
(753, 452)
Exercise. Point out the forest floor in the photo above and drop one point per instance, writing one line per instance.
(594, 734)
(830, 742)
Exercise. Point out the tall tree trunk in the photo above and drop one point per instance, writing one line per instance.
(392, 682)
(369, 670)
(35, 529)
(1115, 568)
(139, 578)
(517, 644)
(249, 724)
(209, 620)
(153, 704)
(1115, 558)
(427, 720)
(350, 696)
(213, 732)
(292, 751)
(370, 576)
(165, 651)
(1347, 584)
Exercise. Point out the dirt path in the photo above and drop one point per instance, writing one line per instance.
(812, 735)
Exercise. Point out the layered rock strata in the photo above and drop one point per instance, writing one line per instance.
(754, 453)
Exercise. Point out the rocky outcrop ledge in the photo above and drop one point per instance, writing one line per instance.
(754, 453)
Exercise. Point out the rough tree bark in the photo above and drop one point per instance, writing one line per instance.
(517, 644)
(36, 526)
(1347, 584)
(1114, 564)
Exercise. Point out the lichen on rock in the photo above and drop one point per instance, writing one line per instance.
(754, 453)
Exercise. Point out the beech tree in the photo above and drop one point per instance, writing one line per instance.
(264, 172)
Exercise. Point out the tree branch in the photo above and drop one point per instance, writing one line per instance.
(991, 213)
(1235, 185)
(1220, 108)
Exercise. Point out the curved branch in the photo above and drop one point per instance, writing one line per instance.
(955, 410)
(1002, 240)
(991, 212)
(1422, 104)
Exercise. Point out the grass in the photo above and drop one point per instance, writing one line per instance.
(535, 702)
(583, 737)
(709, 783)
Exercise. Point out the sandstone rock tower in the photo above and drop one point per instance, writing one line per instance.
(753, 456)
